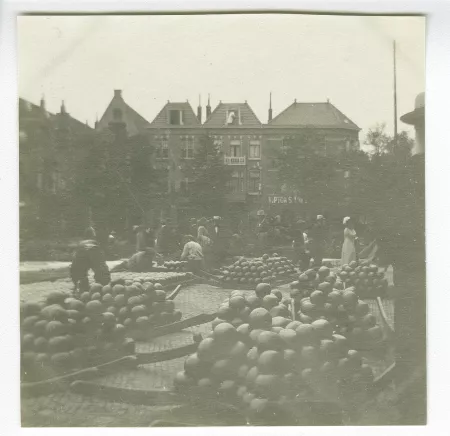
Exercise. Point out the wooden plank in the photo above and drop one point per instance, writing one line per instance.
(125, 395)
(61, 382)
(385, 378)
(162, 356)
(194, 399)
(56, 384)
(384, 318)
(175, 327)
(174, 294)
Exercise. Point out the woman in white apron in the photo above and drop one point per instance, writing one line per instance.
(349, 246)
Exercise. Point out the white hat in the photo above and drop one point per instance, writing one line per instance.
(319, 217)
(346, 220)
(260, 213)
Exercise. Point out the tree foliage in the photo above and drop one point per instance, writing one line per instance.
(304, 169)
(209, 178)
(383, 189)
(352, 182)
(383, 144)
(116, 175)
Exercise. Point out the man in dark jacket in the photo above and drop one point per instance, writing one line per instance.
(220, 236)
(89, 255)
(317, 237)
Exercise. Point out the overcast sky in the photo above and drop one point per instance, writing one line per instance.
(82, 59)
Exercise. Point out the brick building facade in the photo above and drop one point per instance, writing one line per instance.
(51, 145)
(248, 146)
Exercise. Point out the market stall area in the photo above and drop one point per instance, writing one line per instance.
(159, 347)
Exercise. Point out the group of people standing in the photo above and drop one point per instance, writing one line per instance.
(308, 240)
(207, 243)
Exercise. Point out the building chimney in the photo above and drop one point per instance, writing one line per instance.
(43, 103)
(118, 93)
(270, 108)
(63, 108)
(208, 108)
(199, 109)
(96, 122)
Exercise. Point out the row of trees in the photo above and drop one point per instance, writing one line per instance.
(355, 182)
(117, 174)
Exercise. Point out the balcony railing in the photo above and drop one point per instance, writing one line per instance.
(235, 160)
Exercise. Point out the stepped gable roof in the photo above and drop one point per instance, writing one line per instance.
(189, 117)
(218, 117)
(323, 115)
(135, 123)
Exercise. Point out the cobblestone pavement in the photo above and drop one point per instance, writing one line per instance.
(69, 409)
(66, 409)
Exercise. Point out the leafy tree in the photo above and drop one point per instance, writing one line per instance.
(377, 139)
(209, 178)
(303, 168)
(115, 175)
(381, 143)
(379, 183)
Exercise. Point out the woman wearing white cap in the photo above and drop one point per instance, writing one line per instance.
(348, 248)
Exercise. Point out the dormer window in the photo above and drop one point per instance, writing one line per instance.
(117, 114)
(233, 117)
(175, 117)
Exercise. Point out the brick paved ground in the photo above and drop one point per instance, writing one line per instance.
(69, 410)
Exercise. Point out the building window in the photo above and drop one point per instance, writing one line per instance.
(254, 181)
(347, 146)
(236, 184)
(255, 150)
(185, 185)
(235, 148)
(162, 150)
(175, 117)
(218, 143)
(117, 114)
(233, 117)
(187, 151)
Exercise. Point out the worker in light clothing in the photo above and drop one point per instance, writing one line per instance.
(139, 262)
(193, 253)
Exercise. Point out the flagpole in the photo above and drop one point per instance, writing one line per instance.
(395, 95)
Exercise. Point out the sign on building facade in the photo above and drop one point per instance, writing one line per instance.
(285, 199)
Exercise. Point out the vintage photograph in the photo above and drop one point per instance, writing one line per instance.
(222, 220)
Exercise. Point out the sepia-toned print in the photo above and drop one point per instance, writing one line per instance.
(222, 220)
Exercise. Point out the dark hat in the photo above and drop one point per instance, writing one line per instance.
(418, 114)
